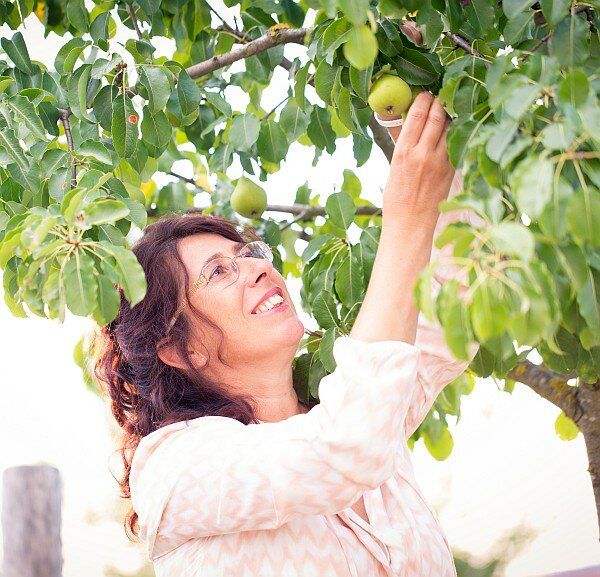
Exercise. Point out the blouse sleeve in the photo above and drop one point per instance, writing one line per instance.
(437, 365)
(214, 475)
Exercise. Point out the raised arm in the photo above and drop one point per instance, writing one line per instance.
(420, 178)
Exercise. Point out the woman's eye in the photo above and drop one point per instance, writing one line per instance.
(218, 269)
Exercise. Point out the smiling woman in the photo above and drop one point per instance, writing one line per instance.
(228, 473)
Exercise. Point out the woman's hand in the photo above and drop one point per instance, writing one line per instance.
(420, 171)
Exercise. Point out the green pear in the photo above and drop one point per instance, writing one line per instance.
(361, 49)
(248, 199)
(390, 96)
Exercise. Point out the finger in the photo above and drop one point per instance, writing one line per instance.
(436, 122)
(442, 141)
(416, 118)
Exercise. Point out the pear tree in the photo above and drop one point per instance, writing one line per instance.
(86, 144)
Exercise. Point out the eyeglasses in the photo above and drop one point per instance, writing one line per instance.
(221, 272)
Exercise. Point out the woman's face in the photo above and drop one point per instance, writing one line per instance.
(248, 337)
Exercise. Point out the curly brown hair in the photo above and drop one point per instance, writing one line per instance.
(145, 393)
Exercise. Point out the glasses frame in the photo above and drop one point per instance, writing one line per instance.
(199, 282)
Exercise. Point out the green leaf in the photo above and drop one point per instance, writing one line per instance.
(489, 314)
(573, 89)
(349, 279)
(417, 68)
(124, 126)
(441, 447)
(513, 8)
(361, 81)
(355, 10)
(531, 184)
(156, 129)
(99, 152)
(188, 93)
(481, 16)
(454, 317)
(129, 271)
(294, 121)
(589, 300)
(555, 10)
(300, 85)
(512, 239)
(157, 85)
(78, 15)
(244, 131)
(324, 311)
(319, 129)
(105, 211)
(16, 50)
(272, 144)
(583, 217)
(24, 113)
(565, 428)
(325, 76)
(77, 87)
(103, 106)
(9, 142)
(570, 42)
(68, 55)
(340, 209)
(109, 302)
(326, 349)
(218, 102)
(80, 284)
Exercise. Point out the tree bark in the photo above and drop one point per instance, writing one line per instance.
(589, 425)
(31, 518)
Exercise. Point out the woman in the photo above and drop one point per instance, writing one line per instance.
(228, 472)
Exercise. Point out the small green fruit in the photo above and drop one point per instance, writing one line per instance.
(248, 199)
(361, 49)
(390, 96)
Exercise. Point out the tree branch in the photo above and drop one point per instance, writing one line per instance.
(63, 114)
(134, 21)
(273, 37)
(550, 385)
(181, 177)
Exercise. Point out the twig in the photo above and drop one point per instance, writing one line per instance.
(225, 25)
(462, 43)
(181, 177)
(272, 111)
(269, 40)
(301, 216)
(134, 21)
(63, 114)
(537, 45)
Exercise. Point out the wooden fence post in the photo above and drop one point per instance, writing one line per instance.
(31, 517)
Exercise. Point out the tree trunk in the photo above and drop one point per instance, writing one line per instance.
(589, 424)
(31, 517)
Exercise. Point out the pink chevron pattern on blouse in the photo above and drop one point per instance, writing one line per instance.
(216, 498)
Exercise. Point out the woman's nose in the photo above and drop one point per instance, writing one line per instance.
(259, 269)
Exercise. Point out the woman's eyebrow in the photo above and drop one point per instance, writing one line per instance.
(237, 246)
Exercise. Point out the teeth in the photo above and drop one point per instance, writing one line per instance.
(270, 303)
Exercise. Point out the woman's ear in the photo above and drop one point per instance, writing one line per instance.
(169, 355)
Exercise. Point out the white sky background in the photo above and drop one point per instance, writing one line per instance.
(508, 468)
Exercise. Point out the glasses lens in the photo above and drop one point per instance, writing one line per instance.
(220, 272)
(258, 249)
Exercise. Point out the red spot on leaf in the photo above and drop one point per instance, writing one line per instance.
(132, 119)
